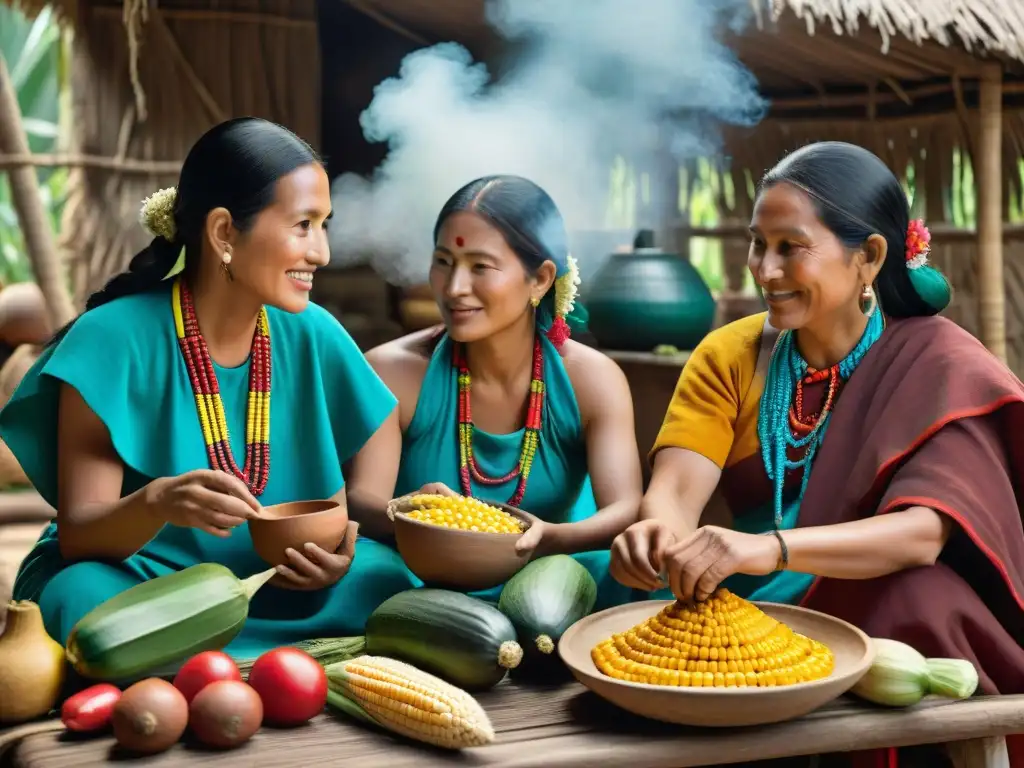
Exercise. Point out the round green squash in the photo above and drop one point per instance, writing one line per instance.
(547, 597)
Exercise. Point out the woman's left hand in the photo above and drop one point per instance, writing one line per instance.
(696, 565)
(316, 568)
(531, 541)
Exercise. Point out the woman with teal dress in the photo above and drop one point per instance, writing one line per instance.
(147, 422)
(501, 404)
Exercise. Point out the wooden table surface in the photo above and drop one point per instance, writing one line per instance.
(568, 726)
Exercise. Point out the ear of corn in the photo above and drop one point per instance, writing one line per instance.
(460, 512)
(900, 676)
(723, 642)
(400, 698)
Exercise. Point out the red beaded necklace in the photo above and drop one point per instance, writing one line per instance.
(208, 400)
(801, 424)
(468, 467)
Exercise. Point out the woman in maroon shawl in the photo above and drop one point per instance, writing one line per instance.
(871, 453)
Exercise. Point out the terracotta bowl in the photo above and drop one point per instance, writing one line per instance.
(464, 560)
(719, 706)
(293, 524)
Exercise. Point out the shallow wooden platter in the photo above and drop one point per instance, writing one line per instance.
(719, 706)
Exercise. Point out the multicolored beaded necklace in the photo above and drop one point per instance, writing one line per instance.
(782, 423)
(208, 400)
(468, 467)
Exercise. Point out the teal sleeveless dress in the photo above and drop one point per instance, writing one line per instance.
(558, 489)
(123, 358)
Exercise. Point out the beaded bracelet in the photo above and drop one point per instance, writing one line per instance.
(783, 561)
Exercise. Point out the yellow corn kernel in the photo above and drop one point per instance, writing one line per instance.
(408, 701)
(462, 513)
(723, 642)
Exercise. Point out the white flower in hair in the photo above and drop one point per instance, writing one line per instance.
(157, 214)
(565, 289)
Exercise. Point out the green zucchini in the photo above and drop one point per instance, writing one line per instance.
(162, 621)
(459, 638)
(547, 597)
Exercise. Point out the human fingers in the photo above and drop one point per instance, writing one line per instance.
(529, 540)
(348, 544)
(638, 546)
(661, 539)
(210, 504)
(230, 485)
(304, 565)
(438, 489)
(621, 568)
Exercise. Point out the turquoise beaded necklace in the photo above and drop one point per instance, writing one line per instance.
(785, 370)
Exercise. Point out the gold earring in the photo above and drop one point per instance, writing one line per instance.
(225, 260)
(534, 302)
(868, 302)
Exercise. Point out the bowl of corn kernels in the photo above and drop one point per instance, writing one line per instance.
(458, 542)
(723, 662)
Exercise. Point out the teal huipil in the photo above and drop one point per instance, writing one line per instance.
(558, 489)
(124, 359)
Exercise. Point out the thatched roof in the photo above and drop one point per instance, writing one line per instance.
(897, 76)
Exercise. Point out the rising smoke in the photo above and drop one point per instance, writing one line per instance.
(585, 86)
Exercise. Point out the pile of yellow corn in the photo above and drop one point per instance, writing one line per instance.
(725, 641)
(461, 512)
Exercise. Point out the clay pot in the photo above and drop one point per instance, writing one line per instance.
(463, 560)
(296, 523)
(23, 315)
(15, 368)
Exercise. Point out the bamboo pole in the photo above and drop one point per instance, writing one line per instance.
(122, 165)
(28, 205)
(991, 293)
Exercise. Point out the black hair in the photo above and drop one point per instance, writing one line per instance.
(856, 196)
(524, 213)
(235, 165)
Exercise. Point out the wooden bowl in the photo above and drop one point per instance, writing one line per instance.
(719, 706)
(295, 523)
(448, 558)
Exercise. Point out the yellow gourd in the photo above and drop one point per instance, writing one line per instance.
(31, 665)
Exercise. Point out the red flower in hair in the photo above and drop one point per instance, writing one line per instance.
(918, 239)
(559, 332)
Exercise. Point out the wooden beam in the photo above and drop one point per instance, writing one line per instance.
(989, 181)
(122, 165)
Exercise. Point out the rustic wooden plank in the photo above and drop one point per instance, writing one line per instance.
(570, 727)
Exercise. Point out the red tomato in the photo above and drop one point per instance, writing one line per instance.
(203, 669)
(90, 709)
(292, 685)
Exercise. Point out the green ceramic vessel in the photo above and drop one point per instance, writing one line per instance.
(645, 298)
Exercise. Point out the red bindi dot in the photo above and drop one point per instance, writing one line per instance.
(459, 242)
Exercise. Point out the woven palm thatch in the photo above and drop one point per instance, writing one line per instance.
(996, 26)
(149, 80)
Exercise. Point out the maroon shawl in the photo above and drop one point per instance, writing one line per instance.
(930, 418)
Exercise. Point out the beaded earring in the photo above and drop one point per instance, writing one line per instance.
(868, 302)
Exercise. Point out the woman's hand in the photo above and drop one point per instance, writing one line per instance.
(315, 568)
(533, 540)
(207, 499)
(696, 565)
(638, 553)
(402, 503)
